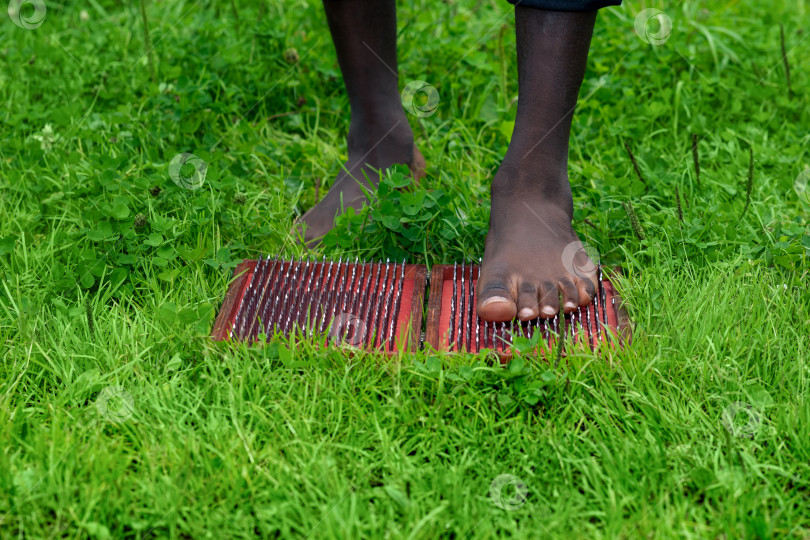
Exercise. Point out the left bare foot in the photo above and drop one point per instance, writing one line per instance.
(532, 253)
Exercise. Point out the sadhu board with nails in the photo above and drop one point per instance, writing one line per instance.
(378, 306)
(367, 305)
(453, 325)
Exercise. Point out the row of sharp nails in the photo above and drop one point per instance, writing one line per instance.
(465, 325)
(303, 298)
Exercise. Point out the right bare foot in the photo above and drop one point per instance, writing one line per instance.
(373, 147)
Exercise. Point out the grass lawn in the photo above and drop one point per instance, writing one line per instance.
(120, 418)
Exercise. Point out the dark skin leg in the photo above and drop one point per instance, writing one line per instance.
(532, 253)
(364, 33)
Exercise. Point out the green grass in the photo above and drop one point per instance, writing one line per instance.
(120, 418)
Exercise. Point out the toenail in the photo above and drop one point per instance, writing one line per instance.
(570, 305)
(492, 300)
(548, 310)
(526, 313)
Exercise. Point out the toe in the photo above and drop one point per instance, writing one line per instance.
(309, 237)
(528, 307)
(310, 229)
(495, 302)
(570, 295)
(549, 300)
(586, 290)
(301, 233)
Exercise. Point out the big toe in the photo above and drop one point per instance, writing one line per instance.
(495, 303)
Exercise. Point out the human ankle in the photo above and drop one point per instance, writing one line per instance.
(534, 178)
(380, 132)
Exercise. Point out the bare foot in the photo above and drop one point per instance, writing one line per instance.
(371, 150)
(532, 253)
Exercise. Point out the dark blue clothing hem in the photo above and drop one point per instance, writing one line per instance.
(566, 5)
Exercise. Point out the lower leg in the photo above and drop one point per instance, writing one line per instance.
(532, 252)
(364, 34)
